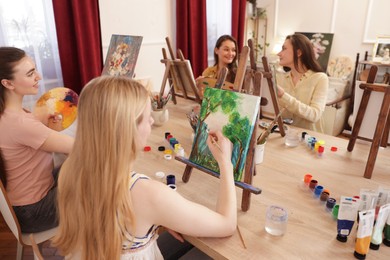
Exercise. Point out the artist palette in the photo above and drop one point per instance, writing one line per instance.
(61, 102)
(265, 125)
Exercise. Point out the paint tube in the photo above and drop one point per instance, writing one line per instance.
(368, 199)
(346, 217)
(386, 232)
(364, 232)
(383, 198)
(383, 214)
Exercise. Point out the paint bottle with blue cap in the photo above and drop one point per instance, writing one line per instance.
(317, 191)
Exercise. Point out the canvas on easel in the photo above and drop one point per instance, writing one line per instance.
(233, 113)
(122, 55)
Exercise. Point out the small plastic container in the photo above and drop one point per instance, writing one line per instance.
(171, 179)
(292, 138)
(317, 191)
(276, 220)
(313, 184)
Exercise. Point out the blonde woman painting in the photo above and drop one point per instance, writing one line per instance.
(109, 212)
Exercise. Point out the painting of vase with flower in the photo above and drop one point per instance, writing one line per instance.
(322, 43)
(122, 55)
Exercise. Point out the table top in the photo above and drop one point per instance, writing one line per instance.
(311, 230)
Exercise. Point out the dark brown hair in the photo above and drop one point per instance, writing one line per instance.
(308, 59)
(9, 56)
(232, 66)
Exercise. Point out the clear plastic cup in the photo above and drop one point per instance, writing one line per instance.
(276, 220)
(292, 138)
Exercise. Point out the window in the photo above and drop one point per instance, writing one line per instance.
(219, 22)
(29, 25)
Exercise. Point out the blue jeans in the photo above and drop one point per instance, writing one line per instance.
(41, 215)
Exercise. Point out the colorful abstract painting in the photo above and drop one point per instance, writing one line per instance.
(122, 55)
(235, 115)
(322, 44)
(61, 102)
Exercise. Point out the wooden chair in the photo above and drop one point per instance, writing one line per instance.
(37, 253)
(381, 134)
(13, 224)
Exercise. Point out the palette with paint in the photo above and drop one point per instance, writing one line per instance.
(61, 102)
(265, 125)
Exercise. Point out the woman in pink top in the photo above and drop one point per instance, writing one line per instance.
(27, 145)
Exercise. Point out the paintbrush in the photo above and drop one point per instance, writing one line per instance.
(213, 140)
(241, 237)
(261, 139)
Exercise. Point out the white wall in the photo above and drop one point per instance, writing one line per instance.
(355, 23)
(155, 20)
(152, 19)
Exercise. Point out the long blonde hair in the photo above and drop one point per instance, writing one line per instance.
(94, 201)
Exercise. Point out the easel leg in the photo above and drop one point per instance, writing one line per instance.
(187, 174)
(246, 200)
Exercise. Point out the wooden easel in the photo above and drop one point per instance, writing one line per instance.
(268, 75)
(180, 76)
(249, 172)
(250, 169)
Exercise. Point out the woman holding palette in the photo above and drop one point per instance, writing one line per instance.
(27, 145)
(225, 56)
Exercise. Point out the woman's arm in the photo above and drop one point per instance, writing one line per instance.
(313, 106)
(58, 143)
(158, 204)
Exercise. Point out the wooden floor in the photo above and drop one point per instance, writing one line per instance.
(8, 246)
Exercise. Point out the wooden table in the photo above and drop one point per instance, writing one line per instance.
(311, 230)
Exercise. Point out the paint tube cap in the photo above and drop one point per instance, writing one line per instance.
(374, 246)
(359, 256)
(386, 242)
(147, 148)
(342, 238)
(161, 148)
(333, 149)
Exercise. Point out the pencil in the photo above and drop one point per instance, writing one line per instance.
(241, 238)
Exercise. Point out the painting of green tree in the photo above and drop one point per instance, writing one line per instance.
(234, 114)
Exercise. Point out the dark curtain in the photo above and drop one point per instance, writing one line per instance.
(191, 33)
(238, 21)
(79, 41)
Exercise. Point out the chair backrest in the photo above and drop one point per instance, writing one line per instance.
(37, 253)
(9, 214)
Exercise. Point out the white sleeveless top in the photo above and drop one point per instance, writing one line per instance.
(137, 248)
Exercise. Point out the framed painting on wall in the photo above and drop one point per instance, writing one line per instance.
(122, 55)
(235, 115)
(322, 44)
(381, 52)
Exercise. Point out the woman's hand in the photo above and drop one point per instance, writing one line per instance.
(280, 91)
(201, 87)
(220, 147)
(55, 122)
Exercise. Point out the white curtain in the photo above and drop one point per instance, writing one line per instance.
(29, 25)
(219, 22)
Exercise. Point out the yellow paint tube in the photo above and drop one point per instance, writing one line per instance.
(363, 236)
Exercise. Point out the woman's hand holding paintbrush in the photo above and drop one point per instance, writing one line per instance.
(220, 146)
